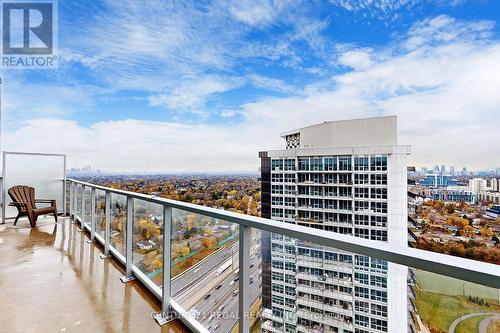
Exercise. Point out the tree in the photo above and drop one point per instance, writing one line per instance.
(185, 251)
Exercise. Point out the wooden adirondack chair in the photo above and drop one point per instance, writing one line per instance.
(23, 198)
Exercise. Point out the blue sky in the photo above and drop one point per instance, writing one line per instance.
(192, 86)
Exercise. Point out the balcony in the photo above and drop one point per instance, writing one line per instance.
(127, 229)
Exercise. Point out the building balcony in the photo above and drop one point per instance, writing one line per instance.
(326, 307)
(55, 279)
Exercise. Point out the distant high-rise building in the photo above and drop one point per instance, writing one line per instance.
(497, 172)
(435, 170)
(434, 180)
(477, 185)
(452, 170)
(442, 171)
(347, 177)
(495, 184)
(464, 171)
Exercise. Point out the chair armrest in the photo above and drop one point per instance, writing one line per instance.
(45, 200)
(18, 203)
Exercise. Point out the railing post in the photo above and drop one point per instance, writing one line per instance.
(107, 214)
(244, 293)
(71, 194)
(166, 314)
(129, 231)
(75, 202)
(92, 215)
(82, 214)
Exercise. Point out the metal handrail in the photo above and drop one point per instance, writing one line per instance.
(456, 267)
(460, 268)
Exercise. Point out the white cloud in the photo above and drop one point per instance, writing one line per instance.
(445, 93)
(254, 13)
(191, 96)
(271, 84)
(356, 59)
(380, 9)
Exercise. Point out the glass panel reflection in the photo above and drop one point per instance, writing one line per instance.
(118, 221)
(148, 239)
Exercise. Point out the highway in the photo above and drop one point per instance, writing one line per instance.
(211, 296)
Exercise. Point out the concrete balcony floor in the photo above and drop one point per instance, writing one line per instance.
(51, 280)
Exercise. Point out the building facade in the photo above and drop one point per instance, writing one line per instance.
(347, 177)
(435, 180)
(477, 185)
(454, 193)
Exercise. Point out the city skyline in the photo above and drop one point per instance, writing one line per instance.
(144, 80)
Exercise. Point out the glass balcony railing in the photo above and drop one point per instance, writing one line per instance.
(220, 271)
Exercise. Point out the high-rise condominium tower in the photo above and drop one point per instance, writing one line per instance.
(347, 177)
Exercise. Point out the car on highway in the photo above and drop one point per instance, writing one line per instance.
(216, 326)
(236, 278)
(235, 292)
(231, 283)
(207, 296)
(218, 287)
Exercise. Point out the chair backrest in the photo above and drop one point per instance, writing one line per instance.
(23, 193)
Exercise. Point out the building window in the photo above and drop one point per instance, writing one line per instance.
(361, 163)
(277, 276)
(363, 233)
(316, 164)
(277, 201)
(361, 220)
(362, 320)
(379, 310)
(361, 306)
(345, 163)
(361, 292)
(378, 281)
(362, 261)
(277, 178)
(379, 221)
(361, 193)
(304, 164)
(289, 189)
(289, 178)
(277, 264)
(277, 189)
(361, 206)
(289, 164)
(378, 264)
(378, 163)
(277, 165)
(361, 179)
(379, 235)
(379, 179)
(379, 193)
(330, 163)
(277, 288)
(276, 212)
(378, 295)
(361, 278)
(379, 207)
(379, 324)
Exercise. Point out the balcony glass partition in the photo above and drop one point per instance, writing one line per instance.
(295, 279)
(45, 172)
(100, 224)
(205, 267)
(148, 240)
(118, 222)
